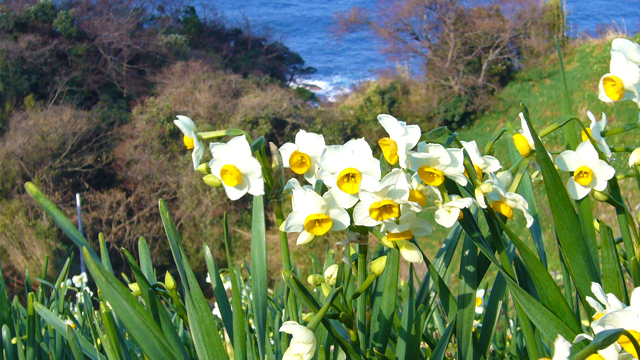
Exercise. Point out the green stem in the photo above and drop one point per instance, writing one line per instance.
(361, 311)
(286, 259)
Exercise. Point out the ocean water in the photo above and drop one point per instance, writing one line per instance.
(306, 26)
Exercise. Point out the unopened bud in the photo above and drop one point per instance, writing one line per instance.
(385, 241)
(307, 317)
(212, 181)
(331, 274)
(600, 196)
(135, 289)
(536, 177)
(169, 282)
(326, 289)
(506, 178)
(378, 265)
(204, 168)
(634, 158)
(315, 279)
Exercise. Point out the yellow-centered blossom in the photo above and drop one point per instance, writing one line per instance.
(623, 80)
(314, 215)
(589, 172)
(239, 171)
(432, 163)
(303, 342)
(347, 169)
(190, 139)
(383, 203)
(303, 156)
(402, 138)
(523, 139)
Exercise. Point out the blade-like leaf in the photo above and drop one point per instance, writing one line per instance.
(259, 271)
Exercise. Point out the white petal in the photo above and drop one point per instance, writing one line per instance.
(186, 125)
(602, 170)
(391, 125)
(576, 190)
(343, 199)
(236, 192)
(361, 215)
(239, 146)
(310, 143)
(630, 49)
(455, 175)
(587, 152)
(569, 160)
(286, 150)
(447, 217)
(602, 95)
(562, 349)
(412, 135)
(198, 151)
(295, 221)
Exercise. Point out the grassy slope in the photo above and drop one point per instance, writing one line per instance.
(540, 89)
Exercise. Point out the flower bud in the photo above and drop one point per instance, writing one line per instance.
(600, 196)
(506, 178)
(307, 317)
(169, 282)
(331, 274)
(212, 181)
(634, 158)
(325, 289)
(134, 287)
(303, 342)
(378, 265)
(385, 241)
(315, 279)
(204, 169)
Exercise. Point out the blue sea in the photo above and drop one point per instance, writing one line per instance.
(306, 27)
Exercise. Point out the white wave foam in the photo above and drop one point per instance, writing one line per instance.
(331, 87)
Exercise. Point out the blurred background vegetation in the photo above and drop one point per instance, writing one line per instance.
(89, 89)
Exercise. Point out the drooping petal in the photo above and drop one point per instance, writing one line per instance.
(305, 238)
(236, 192)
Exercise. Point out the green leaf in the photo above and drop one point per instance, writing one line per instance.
(59, 218)
(239, 333)
(61, 328)
(6, 342)
(133, 315)
(259, 271)
(612, 277)
(104, 254)
(441, 347)
(145, 261)
(74, 344)
(208, 343)
(467, 298)
(580, 264)
(546, 287)
(408, 318)
(219, 292)
(491, 313)
(384, 320)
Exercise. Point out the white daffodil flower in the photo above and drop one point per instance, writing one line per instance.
(501, 200)
(383, 203)
(80, 281)
(634, 158)
(480, 301)
(303, 156)
(402, 138)
(589, 172)
(505, 202)
(628, 319)
(610, 301)
(303, 342)
(523, 139)
(449, 213)
(418, 191)
(482, 164)
(348, 168)
(433, 163)
(314, 215)
(595, 130)
(239, 171)
(408, 226)
(190, 139)
(623, 80)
